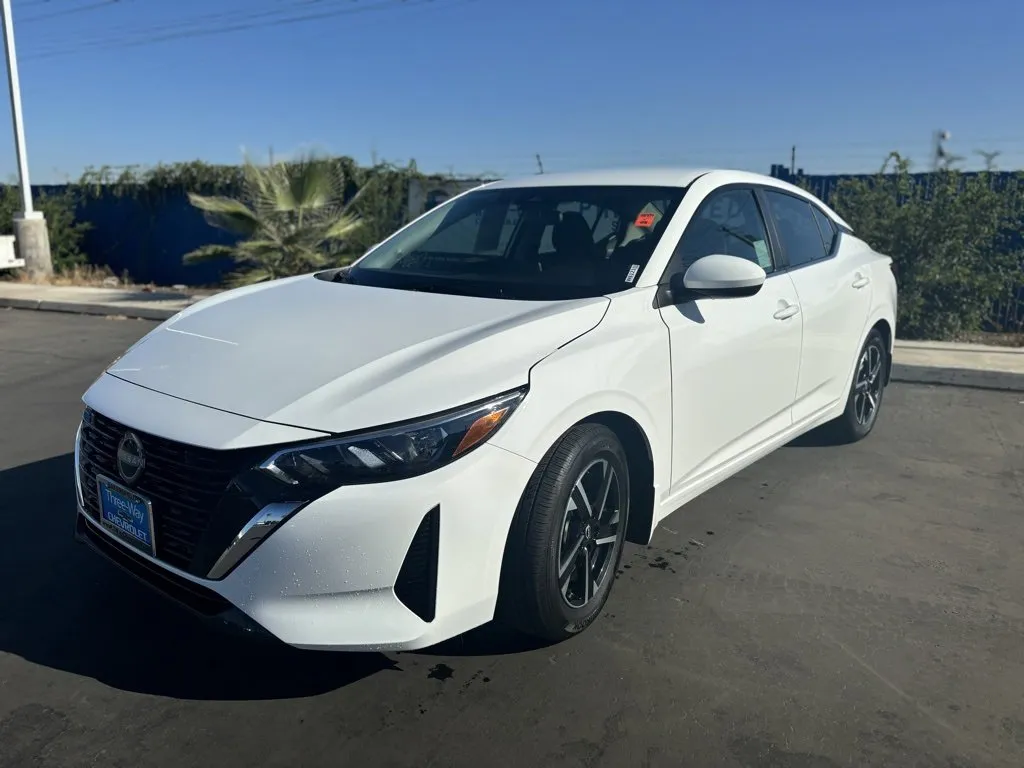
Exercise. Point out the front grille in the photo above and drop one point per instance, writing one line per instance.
(197, 509)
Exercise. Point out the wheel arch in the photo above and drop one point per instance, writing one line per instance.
(512, 602)
(883, 326)
(884, 323)
(640, 461)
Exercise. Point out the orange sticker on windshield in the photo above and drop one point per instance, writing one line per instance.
(644, 220)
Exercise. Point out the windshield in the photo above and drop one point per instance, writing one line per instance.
(526, 243)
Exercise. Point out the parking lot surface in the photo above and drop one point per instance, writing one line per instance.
(829, 606)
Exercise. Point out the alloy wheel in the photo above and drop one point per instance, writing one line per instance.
(589, 542)
(868, 385)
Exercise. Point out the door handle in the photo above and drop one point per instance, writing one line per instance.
(860, 281)
(786, 312)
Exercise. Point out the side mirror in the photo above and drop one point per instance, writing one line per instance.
(719, 276)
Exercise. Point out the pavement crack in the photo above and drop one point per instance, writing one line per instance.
(921, 709)
(1006, 450)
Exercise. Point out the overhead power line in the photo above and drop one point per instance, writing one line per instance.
(246, 12)
(95, 6)
(207, 26)
(811, 153)
(243, 13)
(132, 33)
(42, 3)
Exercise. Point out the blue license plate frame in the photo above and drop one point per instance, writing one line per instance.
(124, 512)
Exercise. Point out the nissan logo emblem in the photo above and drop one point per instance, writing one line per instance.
(131, 459)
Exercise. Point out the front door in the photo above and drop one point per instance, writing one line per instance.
(735, 361)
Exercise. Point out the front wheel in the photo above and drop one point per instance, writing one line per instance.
(567, 536)
(866, 391)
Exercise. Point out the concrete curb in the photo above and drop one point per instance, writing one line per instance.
(959, 377)
(78, 308)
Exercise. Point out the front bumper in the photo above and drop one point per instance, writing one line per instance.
(202, 602)
(331, 576)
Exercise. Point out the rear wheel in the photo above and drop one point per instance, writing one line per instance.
(866, 391)
(567, 536)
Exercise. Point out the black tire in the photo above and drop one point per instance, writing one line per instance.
(550, 521)
(869, 380)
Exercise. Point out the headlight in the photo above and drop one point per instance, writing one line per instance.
(392, 453)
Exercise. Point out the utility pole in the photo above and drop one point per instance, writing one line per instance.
(941, 158)
(990, 158)
(792, 161)
(31, 237)
(939, 148)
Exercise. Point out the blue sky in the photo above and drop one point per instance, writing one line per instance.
(484, 85)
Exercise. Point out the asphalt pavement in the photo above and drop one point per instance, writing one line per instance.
(849, 606)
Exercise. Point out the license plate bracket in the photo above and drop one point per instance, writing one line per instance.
(126, 513)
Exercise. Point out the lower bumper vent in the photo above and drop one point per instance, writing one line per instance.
(417, 581)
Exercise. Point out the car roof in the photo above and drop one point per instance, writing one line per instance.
(656, 177)
(629, 177)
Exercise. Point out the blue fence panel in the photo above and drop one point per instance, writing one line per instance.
(149, 241)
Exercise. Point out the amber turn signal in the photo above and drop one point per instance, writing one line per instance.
(480, 429)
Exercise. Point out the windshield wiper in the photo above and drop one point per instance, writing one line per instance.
(477, 290)
(343, 275)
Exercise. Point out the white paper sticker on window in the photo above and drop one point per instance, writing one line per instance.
(631, 275)
(764, 258)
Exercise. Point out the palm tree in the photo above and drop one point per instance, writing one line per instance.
(292, 218)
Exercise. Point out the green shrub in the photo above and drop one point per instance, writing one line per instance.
(950, 235)
(152, 185)
(66, 231)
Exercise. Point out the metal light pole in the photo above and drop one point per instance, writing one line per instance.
(31, 236)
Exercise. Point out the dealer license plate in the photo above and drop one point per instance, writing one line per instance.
(126, 513)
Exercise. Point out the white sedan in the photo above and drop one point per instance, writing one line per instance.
(470, 421)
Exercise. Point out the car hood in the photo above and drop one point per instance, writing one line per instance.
(338, 357)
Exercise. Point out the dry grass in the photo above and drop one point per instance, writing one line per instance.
(993, 339)
(83, 275)
(91, 276)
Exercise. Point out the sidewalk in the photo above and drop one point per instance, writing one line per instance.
(158, 305)
(970, 365)
(928, 362)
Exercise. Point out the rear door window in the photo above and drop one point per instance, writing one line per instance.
(796, 227)
(826, 228)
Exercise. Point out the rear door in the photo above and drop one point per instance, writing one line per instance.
(834, 290)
